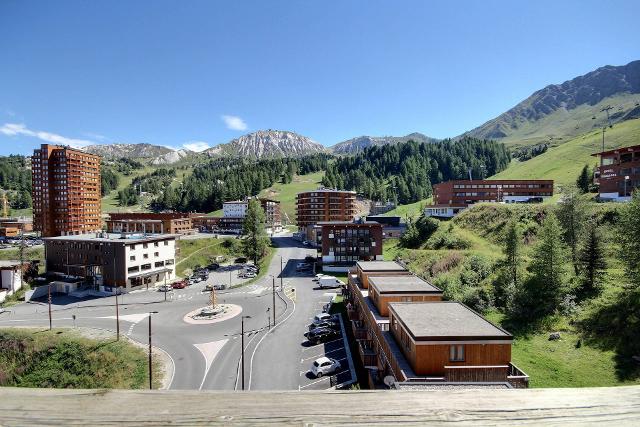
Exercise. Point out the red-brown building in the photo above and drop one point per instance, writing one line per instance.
(324, 205)
(343, 243)
(66, 191)
(619, 173)
(153, 223)
(451, 197)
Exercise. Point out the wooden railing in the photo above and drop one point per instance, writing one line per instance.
(616, 406)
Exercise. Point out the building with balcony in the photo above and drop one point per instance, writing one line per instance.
(451, 197)
(407, 336)
(106, 261)
(324, 205)
(272, 214)
(343, 243)
(66, 191)
(150, 223)
(618, 174)
(392, 226)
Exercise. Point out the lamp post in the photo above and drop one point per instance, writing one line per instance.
(281, 273)
(268, 318)
(117, 315)
(150, 357)
(242, 344)
(274, 300)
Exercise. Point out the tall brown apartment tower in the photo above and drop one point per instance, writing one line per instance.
(66, 191)
(321, 205)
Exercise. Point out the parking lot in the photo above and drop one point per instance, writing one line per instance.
(334, 349)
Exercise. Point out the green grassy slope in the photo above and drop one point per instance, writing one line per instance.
(563, 125)
(564, 163)
(411, 210)
(286, 193)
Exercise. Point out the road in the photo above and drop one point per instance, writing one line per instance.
(207, 356)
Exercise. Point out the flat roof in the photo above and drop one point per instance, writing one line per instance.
(9, 264)
(380, 266)
(114, 237)
(445, 320)
(402, 285)
(618, 150)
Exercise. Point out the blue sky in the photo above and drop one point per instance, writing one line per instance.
(199, 73)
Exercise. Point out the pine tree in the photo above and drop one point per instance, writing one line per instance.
(593, 263)
(571, 213)
(584, 179)
(542, 294)
(628, 236)
(256, 240)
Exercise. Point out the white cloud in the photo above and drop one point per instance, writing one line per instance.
(234, 122)
(13, 129)
(95, 136)
(196, 145)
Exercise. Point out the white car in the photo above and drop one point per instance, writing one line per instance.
(322, 316)
(318, 277)
(324, 366)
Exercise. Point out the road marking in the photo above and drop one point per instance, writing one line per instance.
(209, 351)
(133, 318)
(323, 353)
(322, 343)
(323, 378)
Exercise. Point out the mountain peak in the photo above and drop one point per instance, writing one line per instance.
(268, 143)
(140, 150)
(359, 143)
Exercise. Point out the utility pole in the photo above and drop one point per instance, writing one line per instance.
(242, 344)
(150, 357)
(49, 298)
(604, 128)
(281, 286)
(274, 301)
(117, 316)
(607, 108)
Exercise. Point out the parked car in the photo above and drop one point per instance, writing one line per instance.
(324, 316)
(164, 288)
(319, 335)
(240, 260)
(306, 243)
(213, 266)
(220, 287)
(192, 281)
(179, 285)
(310, 258)
(330, 324)
(303, 266)
(249, 275)
(324, 366)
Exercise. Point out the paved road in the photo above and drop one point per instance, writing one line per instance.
(208, 356)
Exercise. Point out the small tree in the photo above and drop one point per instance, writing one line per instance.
(593, 263)
(256, 240)
(571, 213)
(628, 236)
(584, 180)
(542, 294)
(508, 279)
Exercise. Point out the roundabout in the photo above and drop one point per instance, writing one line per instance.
(208, 314)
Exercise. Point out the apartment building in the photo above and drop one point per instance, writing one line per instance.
(203, 222)
(236, 208)
(66, 191)
(324, 205)
(152, 223)
(392, 226)
(451, 197)
(272, 213)
(343, 243)
(618, 174)
(104, 261)
(408, 336)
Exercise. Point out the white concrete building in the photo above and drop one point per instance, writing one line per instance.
(235, 209)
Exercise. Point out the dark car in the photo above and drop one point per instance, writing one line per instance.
(310, 258)
(240, 260)
(329, 324)
(213, 266)
(321, 335)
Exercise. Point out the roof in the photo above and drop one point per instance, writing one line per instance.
(9, 264)
(618, 150)
(444, 321)
(402, 285)
(380, 266)
(444, 205)
(114, 237)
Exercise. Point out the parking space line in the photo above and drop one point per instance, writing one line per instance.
(322, 343)
(315, 382)
(322, 354)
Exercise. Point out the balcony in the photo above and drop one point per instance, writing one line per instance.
(516, 377)
(359, 330)
(368, 355)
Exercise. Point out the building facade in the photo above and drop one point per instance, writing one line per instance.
(66, 191)
(392, 226)
(407, 335)
(451, 197)
(618, 174)
(272, 213)
(325, 205)
(105, 261)
(237, 208)
(10, 278)
(343, 243)
(152, 223)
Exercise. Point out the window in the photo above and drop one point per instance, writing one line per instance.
(156, 244)
(456, 353)
(146, 266)
(169, 262)
(155, 254)
(132, 247)
(144, 246)
(406, 299)
(166, 243)
(132, 258)
(145, 256)
(133, 269)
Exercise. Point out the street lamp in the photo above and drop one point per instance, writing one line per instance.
(242, 344)
(117, 315)
(268, 318)
(150, 360)
(49, 299)
(274, 300)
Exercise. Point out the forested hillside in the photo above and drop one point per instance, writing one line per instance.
(413, 167)
(15, 178)
(226, 179)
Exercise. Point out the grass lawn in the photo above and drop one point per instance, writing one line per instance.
(286, 193)
(110, 201)
(63, 359)
(196, 253)
(412, 210)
